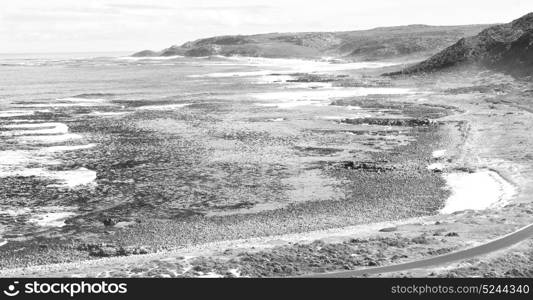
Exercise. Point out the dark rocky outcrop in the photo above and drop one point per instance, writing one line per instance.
(389, 122)
(506, 47)
(367, 166)
(109, 250)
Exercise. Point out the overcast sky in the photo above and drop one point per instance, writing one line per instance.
(131, 25)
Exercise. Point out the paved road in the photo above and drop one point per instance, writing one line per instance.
(495, 245)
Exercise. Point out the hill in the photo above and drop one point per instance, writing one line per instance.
(506, 47)
(379, 43)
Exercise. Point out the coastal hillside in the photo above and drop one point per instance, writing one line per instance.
(379, 43)
(507, 47)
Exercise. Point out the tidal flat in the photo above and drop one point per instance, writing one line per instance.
(246, 160)
(133, 175)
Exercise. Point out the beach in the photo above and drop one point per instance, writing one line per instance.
(257, 165)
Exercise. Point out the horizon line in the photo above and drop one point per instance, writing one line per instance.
(259, 33)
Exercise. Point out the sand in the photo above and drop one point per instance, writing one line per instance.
(479, 190)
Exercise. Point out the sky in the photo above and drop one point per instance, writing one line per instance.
(32, 26)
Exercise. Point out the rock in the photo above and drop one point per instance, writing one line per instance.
(465, 169)
(104, 251)
(420, 240)
(372, 263)
(108, 250)
(110, 221)
(139, 250)
(452, 234)
(389, 122)
(396, 257)
(388, 229)
(366, 166)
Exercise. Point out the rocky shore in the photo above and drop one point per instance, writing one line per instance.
(389, 212)
(131, 213)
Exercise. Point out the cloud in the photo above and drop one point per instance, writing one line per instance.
(141, 7)
(243, 8)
